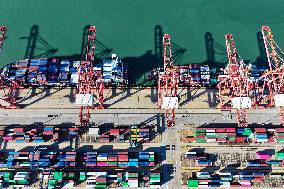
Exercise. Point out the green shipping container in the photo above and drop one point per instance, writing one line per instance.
(22, 181)
(200, 140)
(199, 131)
(82, 176)
(133, 175)
(155, 175)
(192, 183)
(280, 155)
(125, 184)
(101, 186)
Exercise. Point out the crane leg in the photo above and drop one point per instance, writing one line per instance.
(242, 118)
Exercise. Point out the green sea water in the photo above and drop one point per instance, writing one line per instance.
(127, 26)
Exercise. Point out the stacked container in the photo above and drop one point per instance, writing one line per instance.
(115, 71)
(254, 73)
(260, 135)
(140, 135)
(66, 159)
(64, 76)
(18, 134)
(205, 75)
(90, 159)
(21, 179)
(195, 74)
(107, 68)
(74, 73)
(101, 180)
(19, 70)
(146, 159)
(33, 72)
(132, 179)
(53, 70)
(184, 75)
(200, 135)
(155, 180)
(280, 135)
(213, 76)
(42, 71)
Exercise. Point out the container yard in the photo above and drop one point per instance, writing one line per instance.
(131, 94)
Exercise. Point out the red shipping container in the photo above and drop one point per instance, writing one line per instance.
(230, 130)
(280, 130)
(122, 153)
(145, 130)
(122, 157)
(261, 130)
(189, 139)
(200, 136)
(221, 140)
(112, 158)
(240, 139)
(231, 134)
(114, 131)
(220, 130)
(18, 129)
(102, 164)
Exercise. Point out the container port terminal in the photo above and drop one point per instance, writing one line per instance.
(100, 119)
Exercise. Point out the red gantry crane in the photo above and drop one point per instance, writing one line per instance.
(234, 87)
(168, 84)
(90, 83)
(9, 87)
(273, 83)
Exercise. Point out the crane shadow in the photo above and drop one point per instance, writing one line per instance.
(37, 46)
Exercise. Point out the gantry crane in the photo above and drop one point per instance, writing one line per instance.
(90, 83)
(273, 83)
(235, 87)
(3, 30)
(168, 84)
(9, 87)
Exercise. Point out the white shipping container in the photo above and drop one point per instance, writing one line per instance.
(91, 173)
(74, 78)
(155, 186)
(241, 102)
(279, 100)
(210, 131)
(169, 102)
(211, 140)
(84, 99)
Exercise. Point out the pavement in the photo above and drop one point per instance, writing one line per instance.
(132, 107)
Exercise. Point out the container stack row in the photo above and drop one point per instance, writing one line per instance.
(119, 159)
(14, 179)
(225, 179)
(123, 134)
(201, 159)
(76, 159)
(121, 179)
(21, 134)
(237, 135)
(140, 135)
